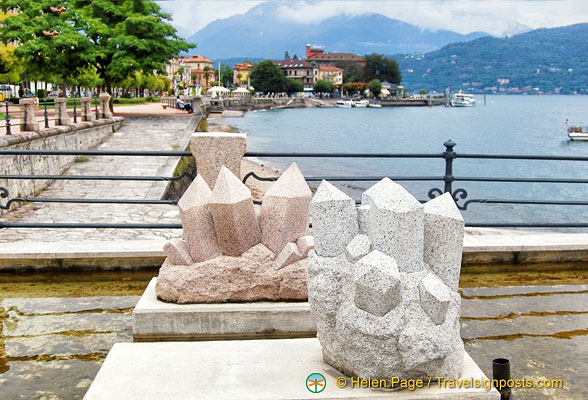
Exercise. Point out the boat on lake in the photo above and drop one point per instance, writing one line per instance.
(361, 103)
(463, 100)
(578, 133)
(344, 103)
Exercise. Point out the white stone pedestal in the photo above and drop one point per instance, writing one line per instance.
(155, 320)
(246, 370)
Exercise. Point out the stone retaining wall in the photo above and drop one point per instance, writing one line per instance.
(81, 136)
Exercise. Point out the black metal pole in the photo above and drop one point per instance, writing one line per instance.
(75, 114)
(46, 115)
(501, 376)
(449, 156)
(97, 111)
(8, 129)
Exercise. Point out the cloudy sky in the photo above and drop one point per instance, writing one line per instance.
(497, 17)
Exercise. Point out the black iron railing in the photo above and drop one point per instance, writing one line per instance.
(460, 195)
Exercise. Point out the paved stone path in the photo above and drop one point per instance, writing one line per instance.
(138, 133)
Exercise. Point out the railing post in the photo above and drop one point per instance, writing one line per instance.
(86, 108)
(28, 120)
(105, 105)
(449, 155)
(213, 150)
(8, 128)
(61, 116)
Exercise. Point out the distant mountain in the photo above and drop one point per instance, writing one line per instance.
(550, 60)
(263, 33)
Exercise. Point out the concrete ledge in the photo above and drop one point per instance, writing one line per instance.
(501, 247)
(155, 320)
(247, 370)
(90, 255)
(24, 137)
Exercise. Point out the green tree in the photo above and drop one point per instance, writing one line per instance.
(352, 71)
(10, 69)
(128, 36)
(206, 70)
(323, 86)
(48, 37)
(286, 55)
(381, 68)
(375, 87)
(117, 37)
(293, 86)
(226, 74)
(268, 77)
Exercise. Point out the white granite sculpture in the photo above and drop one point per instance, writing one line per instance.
(382, 283)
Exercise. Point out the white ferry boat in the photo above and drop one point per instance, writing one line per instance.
(361, 103)
(344, 103)
(463, 100)
(578, 133)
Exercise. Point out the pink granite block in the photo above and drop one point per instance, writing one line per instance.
(249, 277)
(177, 252)
(284, 212)
(231, 206)
(287, 256)
(199, 232)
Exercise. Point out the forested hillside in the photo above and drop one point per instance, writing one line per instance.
(541, 61)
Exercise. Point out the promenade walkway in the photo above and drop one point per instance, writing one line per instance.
(139, 132)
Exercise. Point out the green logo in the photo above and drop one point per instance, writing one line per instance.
(316, 383)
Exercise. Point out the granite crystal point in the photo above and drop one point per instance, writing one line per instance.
(305, 244)
(287, 256)
(198, 227)
(381, 311)
(177, 252)
(334, 220)
(358, 247)
(284, 210)
(235, 222)
(434, 298)
(395, 223)
(443, 235)
(377, 284)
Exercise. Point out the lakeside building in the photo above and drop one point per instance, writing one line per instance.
(241, 74)
(201, 71)
(178, 72)
(304, 71)
(331, 74)
(318, 55)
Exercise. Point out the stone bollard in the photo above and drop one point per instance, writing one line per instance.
(86, 106)
(61, 116)
(28, 121)
(105, 105)
(213, 150)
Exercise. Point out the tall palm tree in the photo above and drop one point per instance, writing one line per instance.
(206, 70)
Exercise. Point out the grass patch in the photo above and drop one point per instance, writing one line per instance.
(136, 100)
(81, 159)
(175, 146)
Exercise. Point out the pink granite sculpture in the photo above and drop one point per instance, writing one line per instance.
(232, 251)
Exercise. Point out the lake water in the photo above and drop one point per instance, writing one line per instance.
(505, 125)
